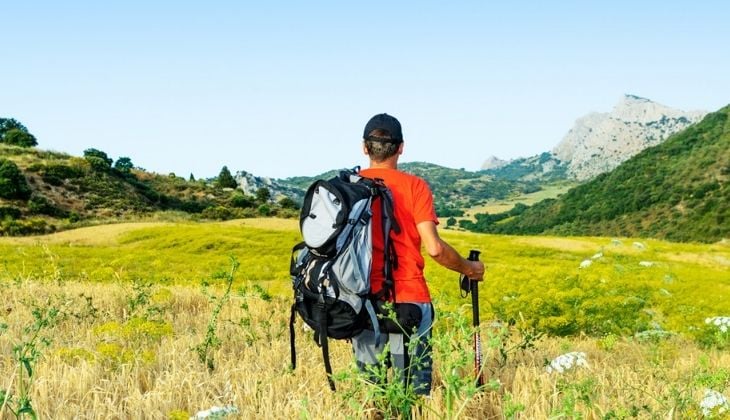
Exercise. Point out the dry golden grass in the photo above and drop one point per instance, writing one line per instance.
(113, 366)
(75, 379)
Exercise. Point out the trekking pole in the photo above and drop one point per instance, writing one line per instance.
(471, 286)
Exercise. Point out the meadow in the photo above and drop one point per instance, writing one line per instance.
(163, 320)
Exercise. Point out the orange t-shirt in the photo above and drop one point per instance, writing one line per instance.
(412, 203)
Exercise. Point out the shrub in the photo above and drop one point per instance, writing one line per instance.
(242, 201)
(98, 164)
(288, 203)
(265, 210)
(263, 195)
(62, 171)
(39, 204)
(12, 181)
(24, 227)
(9, 213)
(217, 213)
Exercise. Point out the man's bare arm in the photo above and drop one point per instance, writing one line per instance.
(445, 254)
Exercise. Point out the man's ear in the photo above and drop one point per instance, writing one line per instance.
(400, 148)
(364, 149)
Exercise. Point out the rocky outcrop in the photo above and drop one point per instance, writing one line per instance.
(599, 142)
(249, 184)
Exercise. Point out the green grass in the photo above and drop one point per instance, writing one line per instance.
(526, 276)
(501, 206)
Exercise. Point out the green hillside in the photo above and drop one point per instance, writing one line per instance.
(677, 190)
(454, 189)
(43, 191)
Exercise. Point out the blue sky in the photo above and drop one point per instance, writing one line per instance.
(284, 88)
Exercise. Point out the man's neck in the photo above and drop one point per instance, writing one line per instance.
(386, 164)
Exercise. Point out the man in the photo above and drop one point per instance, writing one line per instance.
(415, 214)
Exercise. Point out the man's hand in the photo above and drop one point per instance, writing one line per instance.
(474, 271)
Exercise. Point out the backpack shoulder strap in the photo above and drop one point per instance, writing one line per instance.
(388, 223)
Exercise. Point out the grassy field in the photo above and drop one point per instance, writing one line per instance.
(501, 206)
(114, 322)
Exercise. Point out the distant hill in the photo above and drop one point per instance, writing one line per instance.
(677, 190)
(43, 191)
(599, 142)
(454, 189)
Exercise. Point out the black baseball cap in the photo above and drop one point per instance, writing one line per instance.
(387, 123)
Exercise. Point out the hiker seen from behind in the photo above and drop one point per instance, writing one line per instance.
(413, 210)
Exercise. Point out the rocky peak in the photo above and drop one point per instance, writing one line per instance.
(494, 163)
(599, 142)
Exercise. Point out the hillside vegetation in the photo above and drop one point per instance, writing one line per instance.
(43, 191)
(454, 189)
(677, 190)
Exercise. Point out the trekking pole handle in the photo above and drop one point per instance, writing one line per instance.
(466, 284)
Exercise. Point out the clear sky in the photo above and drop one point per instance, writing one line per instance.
(281, 88)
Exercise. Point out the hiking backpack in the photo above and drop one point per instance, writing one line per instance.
(330, 269)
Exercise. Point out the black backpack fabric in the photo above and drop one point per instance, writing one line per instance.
(330, 269)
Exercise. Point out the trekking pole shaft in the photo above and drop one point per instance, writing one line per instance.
(474, 288)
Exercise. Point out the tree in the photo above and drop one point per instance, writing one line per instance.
(124, 165)
(263, 195)
(12, 181)
(20, 138)
(288, 203)
(242, 201)
(15, 133)
(192, 178)
(98, 160)
(7, 124)
(225, 179)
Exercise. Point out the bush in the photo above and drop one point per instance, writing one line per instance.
(62, 171)
(12, 182)
(288, 203)
(24, 227)
(39, 204)
(98, 164)
(265, 210)
(242, 201)
(9, 213)
(217, 213)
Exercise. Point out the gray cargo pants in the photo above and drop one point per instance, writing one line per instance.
(419, 357)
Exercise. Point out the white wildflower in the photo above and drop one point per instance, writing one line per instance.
(215, 412)
(721, 322)
(616, 242)
(586, 263)
(567, 361)
(639, 245)
(714, 403)
(646, 263)
(597, 256)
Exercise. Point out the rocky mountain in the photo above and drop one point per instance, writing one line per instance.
(493, 162)
(599, 142)
(249, 184)
(676, 190)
